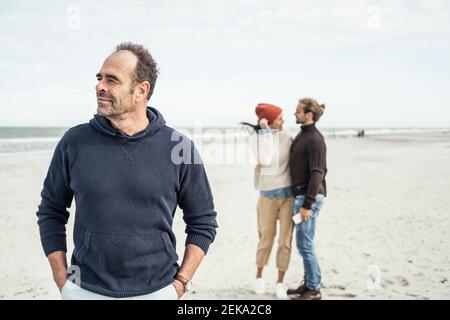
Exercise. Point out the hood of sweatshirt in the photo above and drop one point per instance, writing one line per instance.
(103, 125)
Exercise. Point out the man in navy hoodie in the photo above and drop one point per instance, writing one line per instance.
(127, 173)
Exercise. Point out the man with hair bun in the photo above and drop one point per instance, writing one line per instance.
(307, 166)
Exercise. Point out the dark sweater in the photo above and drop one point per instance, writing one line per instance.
(126, 190)
(308, 164)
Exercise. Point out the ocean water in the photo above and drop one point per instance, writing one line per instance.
(29, 139)
(44, 139)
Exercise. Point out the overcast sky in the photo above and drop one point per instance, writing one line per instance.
(373, 63)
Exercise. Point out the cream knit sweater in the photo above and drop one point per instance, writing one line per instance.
(272, 171)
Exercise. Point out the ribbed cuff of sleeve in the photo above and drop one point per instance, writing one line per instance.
(198, 240)
(307, 204)
(54, 243)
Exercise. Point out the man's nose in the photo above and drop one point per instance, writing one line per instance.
(100, 87)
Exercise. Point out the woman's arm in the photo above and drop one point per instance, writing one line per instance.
(264, 144)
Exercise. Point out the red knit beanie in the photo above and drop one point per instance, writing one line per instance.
(267, 111)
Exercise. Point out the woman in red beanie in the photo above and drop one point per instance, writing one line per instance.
(275, 203)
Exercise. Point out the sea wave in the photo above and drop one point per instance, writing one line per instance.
(11, 144)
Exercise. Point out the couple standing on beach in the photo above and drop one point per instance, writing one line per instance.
(290, 175)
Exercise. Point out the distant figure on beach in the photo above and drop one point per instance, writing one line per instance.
(275, 203)
(361, 133)
(308, 168)
(127, 184)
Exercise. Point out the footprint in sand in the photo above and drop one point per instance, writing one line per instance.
(334, 286)
(386, 283)
(344, 295)
(412, 295)
(22, 292)
(403, 281)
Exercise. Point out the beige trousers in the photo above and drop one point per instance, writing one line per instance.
(269, 210)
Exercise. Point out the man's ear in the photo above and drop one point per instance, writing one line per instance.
(143, 90)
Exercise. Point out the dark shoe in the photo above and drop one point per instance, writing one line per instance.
(309, 295)
(300, 290)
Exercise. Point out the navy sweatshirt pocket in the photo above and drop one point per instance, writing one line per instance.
(80, 252)
(128, 263)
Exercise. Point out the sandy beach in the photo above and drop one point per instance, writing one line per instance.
(383, 232)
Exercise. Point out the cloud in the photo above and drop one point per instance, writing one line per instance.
(229, 52)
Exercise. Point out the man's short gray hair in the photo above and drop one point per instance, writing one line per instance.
(146, 67)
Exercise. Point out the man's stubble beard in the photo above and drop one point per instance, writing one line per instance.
(114, 111)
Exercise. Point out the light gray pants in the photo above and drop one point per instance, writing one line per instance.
(71, 291)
